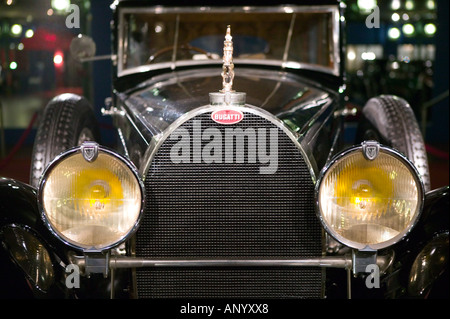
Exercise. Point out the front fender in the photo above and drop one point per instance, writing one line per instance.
(429, 272)
(31, 259)
(18, 203)
(421, 267)
(428, 277)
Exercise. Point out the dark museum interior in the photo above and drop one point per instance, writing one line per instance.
(406, 54)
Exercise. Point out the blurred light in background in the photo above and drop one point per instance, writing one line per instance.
(60, 5)
(431, 5)
(351, 55)
(58, 59)
(395, 4)
(29, 33)
(408, 29)
(159, 27)
(367, 5)
(409, 5)
(394, 33)
(430, 28)
(395, 17)
(16, 30)
(288, 9)
(368, 56)
(13, 65)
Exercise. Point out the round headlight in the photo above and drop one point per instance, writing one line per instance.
(370, 196)
(91, 198)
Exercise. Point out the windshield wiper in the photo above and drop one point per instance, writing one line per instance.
(175, 42)
(288, 39)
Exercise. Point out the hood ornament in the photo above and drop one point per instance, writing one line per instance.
(227, 96)
(228, 66)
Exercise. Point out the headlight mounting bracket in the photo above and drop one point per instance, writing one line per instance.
(96, 262)
(361, 259)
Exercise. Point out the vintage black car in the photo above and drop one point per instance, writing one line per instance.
(231, 177)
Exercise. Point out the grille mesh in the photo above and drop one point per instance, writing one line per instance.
(282, 283)
(229, 211)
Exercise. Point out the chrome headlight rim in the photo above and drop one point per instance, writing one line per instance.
(79, 150)
(387, 150)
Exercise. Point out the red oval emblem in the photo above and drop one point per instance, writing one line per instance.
(227, 116)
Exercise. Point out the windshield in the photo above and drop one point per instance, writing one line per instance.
(297, 37)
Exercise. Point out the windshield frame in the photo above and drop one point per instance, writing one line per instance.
(288, 64)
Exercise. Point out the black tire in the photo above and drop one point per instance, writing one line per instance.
(391, 121)
(67, 121)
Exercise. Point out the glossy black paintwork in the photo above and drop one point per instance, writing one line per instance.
(16, 196)
(433, 222)
(18, 208)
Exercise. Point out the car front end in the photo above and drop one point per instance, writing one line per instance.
(231, 177)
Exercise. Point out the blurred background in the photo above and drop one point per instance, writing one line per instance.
(405, 54)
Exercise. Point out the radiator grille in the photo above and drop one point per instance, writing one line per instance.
(231, 283)
(229, 211)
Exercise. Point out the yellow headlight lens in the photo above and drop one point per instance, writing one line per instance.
(92, 205)
(369, 202)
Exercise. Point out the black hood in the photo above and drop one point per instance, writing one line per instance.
(163, 99)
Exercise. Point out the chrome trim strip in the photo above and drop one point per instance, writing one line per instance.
(343, 261)
(247, 9)
(334, 10)
(136, 129)
(336, 46)
(275, 63)
(334, 262)
(122, 142)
